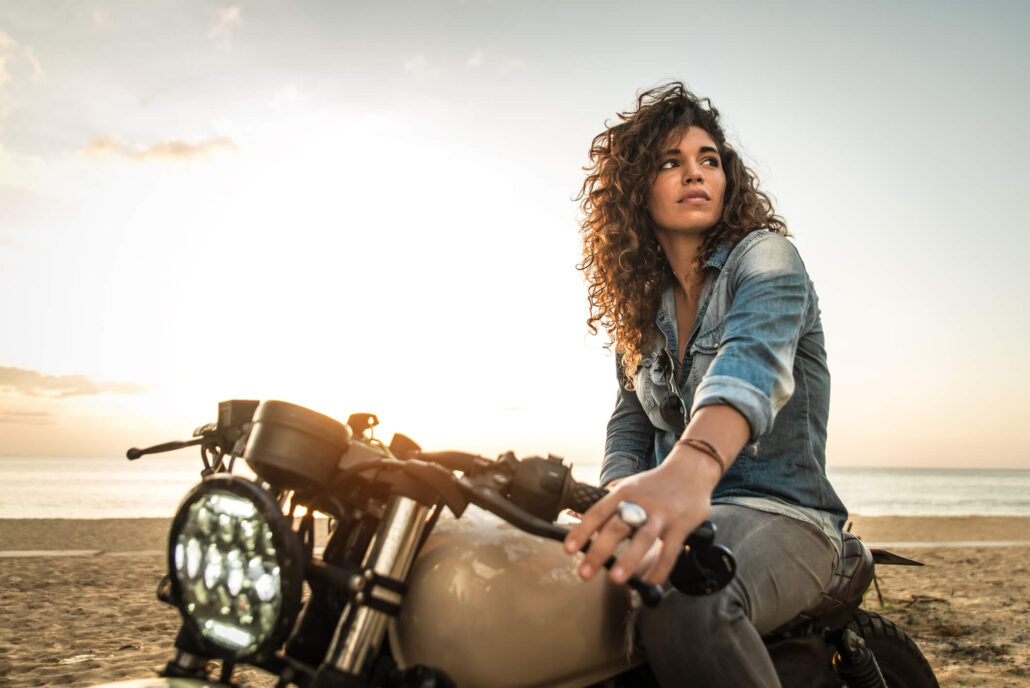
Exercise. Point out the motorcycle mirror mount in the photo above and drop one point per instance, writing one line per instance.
(234, 416)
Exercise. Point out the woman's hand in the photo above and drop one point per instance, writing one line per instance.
(676, 496)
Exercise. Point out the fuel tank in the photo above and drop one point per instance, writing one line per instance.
(493, 606)
(160, 682)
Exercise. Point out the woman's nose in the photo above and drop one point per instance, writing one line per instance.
(692, 173)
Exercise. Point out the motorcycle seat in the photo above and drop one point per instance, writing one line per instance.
(850, 580)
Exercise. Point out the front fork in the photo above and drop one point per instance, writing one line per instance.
(360, 631)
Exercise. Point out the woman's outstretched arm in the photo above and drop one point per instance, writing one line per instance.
(676, 496)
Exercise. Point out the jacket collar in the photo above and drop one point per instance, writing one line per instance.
(666, 316)
(718, 259)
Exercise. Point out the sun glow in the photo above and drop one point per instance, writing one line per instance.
(191, 204)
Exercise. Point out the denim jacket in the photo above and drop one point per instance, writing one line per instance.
(757, 345)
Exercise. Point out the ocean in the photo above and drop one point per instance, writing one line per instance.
(69, 487)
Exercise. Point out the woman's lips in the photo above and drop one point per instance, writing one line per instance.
(695, 197)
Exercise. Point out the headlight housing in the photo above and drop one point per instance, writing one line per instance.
(236, 568)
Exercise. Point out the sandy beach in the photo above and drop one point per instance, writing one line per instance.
(89, 616)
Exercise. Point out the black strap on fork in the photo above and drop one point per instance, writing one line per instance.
(374, 581)
(360, 585)
(307, 534)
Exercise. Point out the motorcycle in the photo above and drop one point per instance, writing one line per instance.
(441, 569)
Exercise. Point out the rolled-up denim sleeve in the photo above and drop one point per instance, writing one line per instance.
(753, 367)
(630, 435)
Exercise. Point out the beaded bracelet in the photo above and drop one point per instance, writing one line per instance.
(707, 448)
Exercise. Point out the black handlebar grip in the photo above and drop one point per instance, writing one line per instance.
(581, 496)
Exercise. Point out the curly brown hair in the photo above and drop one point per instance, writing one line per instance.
(622, 261)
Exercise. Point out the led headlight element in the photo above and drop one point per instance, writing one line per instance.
(236, 567)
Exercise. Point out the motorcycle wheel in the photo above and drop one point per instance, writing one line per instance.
(900, 660)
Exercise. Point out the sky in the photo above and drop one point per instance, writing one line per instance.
(369, 206)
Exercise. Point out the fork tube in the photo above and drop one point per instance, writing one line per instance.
(360, 631)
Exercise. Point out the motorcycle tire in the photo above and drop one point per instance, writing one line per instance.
(900, 660)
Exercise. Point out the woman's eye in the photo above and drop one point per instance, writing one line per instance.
(667, 165)
(711, 162)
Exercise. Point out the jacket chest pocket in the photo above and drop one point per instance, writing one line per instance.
(702, 353)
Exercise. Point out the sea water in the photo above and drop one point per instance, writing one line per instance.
(74, 487)
(70, 487)
(930, 491)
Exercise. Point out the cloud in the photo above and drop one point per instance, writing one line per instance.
(26, 172)
(174, 149)
(420, 65)
(415, 64)
(18, 65)
(479, 60)
(226, 21)
(33, 383)
(37, 68)
(509, 66)
(287, 95)
(183, 150)
(105, 145)
(14, 56)
(27, 417)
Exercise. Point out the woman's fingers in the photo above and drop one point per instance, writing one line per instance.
(594, 518)
(603, 546)
(672, 511)
(650, 557)
(638, 546)
(672, 547)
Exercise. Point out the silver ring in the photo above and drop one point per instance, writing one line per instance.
(632, 514)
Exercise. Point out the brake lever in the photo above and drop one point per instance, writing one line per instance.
(134, 453)
(650, 593)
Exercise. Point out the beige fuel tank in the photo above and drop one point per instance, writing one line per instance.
(495, 607)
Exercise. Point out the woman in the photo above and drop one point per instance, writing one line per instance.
(723, 389)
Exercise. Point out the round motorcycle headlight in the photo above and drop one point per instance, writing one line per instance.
(236, 567)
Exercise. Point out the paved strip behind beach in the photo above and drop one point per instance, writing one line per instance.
(31, 537)
(149, 534)
(25, 554)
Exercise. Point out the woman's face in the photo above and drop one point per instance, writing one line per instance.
(687, 193)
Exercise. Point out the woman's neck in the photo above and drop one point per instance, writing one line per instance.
(681, 250)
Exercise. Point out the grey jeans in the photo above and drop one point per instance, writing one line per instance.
(716, 640)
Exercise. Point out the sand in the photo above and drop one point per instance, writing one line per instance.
(91, 616)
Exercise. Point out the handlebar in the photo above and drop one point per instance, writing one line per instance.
(582, 496)
(216, 437)
(529, 493)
